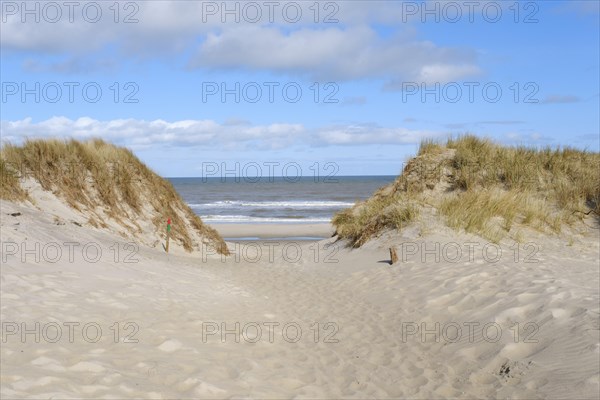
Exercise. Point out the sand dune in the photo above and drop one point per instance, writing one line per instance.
(89, 311)
(313, 321)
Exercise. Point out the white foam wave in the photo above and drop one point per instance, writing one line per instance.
(246, 218)
(275, 204)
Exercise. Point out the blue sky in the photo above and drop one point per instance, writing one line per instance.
(370, 62)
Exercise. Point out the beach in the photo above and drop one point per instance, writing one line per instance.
(300, 200)
(295, 319)
(311, 231)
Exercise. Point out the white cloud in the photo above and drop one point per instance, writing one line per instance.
(447, 72)
(210, 134)
(70, 65)
(350, 49)
(525, 138)
(166, 25)
(140, 133)
(356, 135)
(334, 54)
(560, 99)
(160, 26)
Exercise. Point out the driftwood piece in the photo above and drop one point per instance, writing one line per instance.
(393, 256)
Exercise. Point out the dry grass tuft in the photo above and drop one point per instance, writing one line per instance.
(376, 214)
(98, 174)
(430, 146)
(485, 188)
(10, 189)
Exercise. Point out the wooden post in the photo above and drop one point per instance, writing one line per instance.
(393, 256)
(168, 234)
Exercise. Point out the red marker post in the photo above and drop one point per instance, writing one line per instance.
(168, 234)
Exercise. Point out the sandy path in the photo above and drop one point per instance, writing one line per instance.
(366, 310)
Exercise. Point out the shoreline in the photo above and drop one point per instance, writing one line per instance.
(271, 231)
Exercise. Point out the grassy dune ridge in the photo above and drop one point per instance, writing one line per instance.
(484, 188)
(92, 174)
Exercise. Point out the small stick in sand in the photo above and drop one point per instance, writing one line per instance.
(393, 256)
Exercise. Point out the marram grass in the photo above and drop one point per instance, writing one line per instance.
(98, 174)
(483, 188)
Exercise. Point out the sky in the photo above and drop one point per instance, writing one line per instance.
(203, 88)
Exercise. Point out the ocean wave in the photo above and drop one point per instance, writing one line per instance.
(274, 204)
(246, 218)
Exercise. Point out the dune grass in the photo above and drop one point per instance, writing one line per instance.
(98, 174)
(9, 183)
(360, 224)
(430, 146)
(487, 189)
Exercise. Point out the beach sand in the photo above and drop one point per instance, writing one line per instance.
(275, 231)
(316, 319)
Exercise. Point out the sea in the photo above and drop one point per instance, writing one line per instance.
(274, 199)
